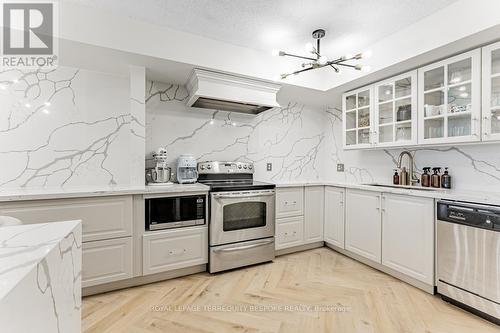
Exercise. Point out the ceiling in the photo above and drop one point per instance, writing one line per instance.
(351, 25)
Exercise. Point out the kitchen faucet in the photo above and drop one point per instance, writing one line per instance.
(413, 179)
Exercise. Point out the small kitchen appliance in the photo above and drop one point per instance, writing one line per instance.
(161, 173)
(186, 169)
(242, 215)
(166, 212)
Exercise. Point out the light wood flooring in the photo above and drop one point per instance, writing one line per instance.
(354, 298)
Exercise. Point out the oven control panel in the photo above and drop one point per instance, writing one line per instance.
(225, 167)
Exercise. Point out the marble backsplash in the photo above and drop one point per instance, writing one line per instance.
(69, 128)
(473, 166)
(303, 143)
(291, 137)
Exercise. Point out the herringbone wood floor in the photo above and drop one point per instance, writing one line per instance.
(373, 301)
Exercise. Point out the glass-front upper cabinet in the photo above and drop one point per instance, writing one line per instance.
(491, 92)
(396, 111)
(358, 122)
(449, 102)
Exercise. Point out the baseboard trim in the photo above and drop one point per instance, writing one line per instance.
(418, 284)
(300, 248)
(141, 280)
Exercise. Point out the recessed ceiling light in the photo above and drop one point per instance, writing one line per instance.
(46, 111)
(47, 103)
(28, 105)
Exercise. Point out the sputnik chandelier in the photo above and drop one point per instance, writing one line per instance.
(319, 61)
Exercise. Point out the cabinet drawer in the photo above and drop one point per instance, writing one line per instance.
(169, 250)
(102, 218)
(106, 261)
(289, 232)
(289, 202)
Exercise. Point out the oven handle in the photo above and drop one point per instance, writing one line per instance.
(245, 247)
(231, 196)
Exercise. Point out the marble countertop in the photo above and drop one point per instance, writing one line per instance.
(29, 194)
(23, 247)
(492, 198)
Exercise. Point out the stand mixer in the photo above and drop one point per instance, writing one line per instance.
(161, 173)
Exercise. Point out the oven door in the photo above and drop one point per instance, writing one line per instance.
(241, 216)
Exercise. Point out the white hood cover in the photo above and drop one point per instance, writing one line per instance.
(219, 91)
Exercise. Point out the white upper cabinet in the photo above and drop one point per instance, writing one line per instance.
(491, 92)
(396, 111)
(358, 112)
(449, 105)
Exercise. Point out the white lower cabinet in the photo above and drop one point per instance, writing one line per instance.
(289, 232)
(174, 249)
(408, 235)
(106, 261)
(363, 224)
(314, 213)
(334, 216)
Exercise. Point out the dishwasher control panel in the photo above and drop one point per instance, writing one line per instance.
(474, 215)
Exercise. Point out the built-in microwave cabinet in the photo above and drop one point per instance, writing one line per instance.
(491, 92)
(357, 106)
(449, 104)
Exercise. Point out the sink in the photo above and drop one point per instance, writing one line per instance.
(406, 187)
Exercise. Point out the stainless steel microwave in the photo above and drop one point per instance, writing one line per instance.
(175, 212)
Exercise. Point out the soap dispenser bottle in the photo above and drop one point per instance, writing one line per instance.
(436, 178)
(395, 178)
(446, 179)
(426, 177)
(403, 177)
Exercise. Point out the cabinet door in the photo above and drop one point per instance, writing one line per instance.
(314, 213)
(396, 111)
(174, 249)
(289, 202)
(408, 236)
(289, 232)
(358, 112)
(449, 100)
(363, 224)
(491, 92)
(102, 217)
(334, 216)
(106, 261)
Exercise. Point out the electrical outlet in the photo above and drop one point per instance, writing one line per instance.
(340, 167)
(269, 167)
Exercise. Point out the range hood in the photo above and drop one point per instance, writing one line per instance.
(219, 91)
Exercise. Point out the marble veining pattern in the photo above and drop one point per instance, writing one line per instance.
(290, 137)
(473, 167)
(41, 277)
(67, 128)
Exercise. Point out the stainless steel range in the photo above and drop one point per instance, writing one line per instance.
(242, 215)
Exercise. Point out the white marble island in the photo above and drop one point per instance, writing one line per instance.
(40, 278)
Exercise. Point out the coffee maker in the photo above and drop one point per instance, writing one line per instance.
(186, 169)
(161, 173)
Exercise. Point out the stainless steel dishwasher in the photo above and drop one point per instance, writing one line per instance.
(468, 256)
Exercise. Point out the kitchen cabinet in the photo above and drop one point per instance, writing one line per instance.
(102, 218)
(491, 92)
(449, 105)
(106, 261)
(334, 216)
(395, 116)
(408, 236)
(289, 202)
(357, 106)
(314, 213)
(289, 232)
(363, 225)
(174, 249)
